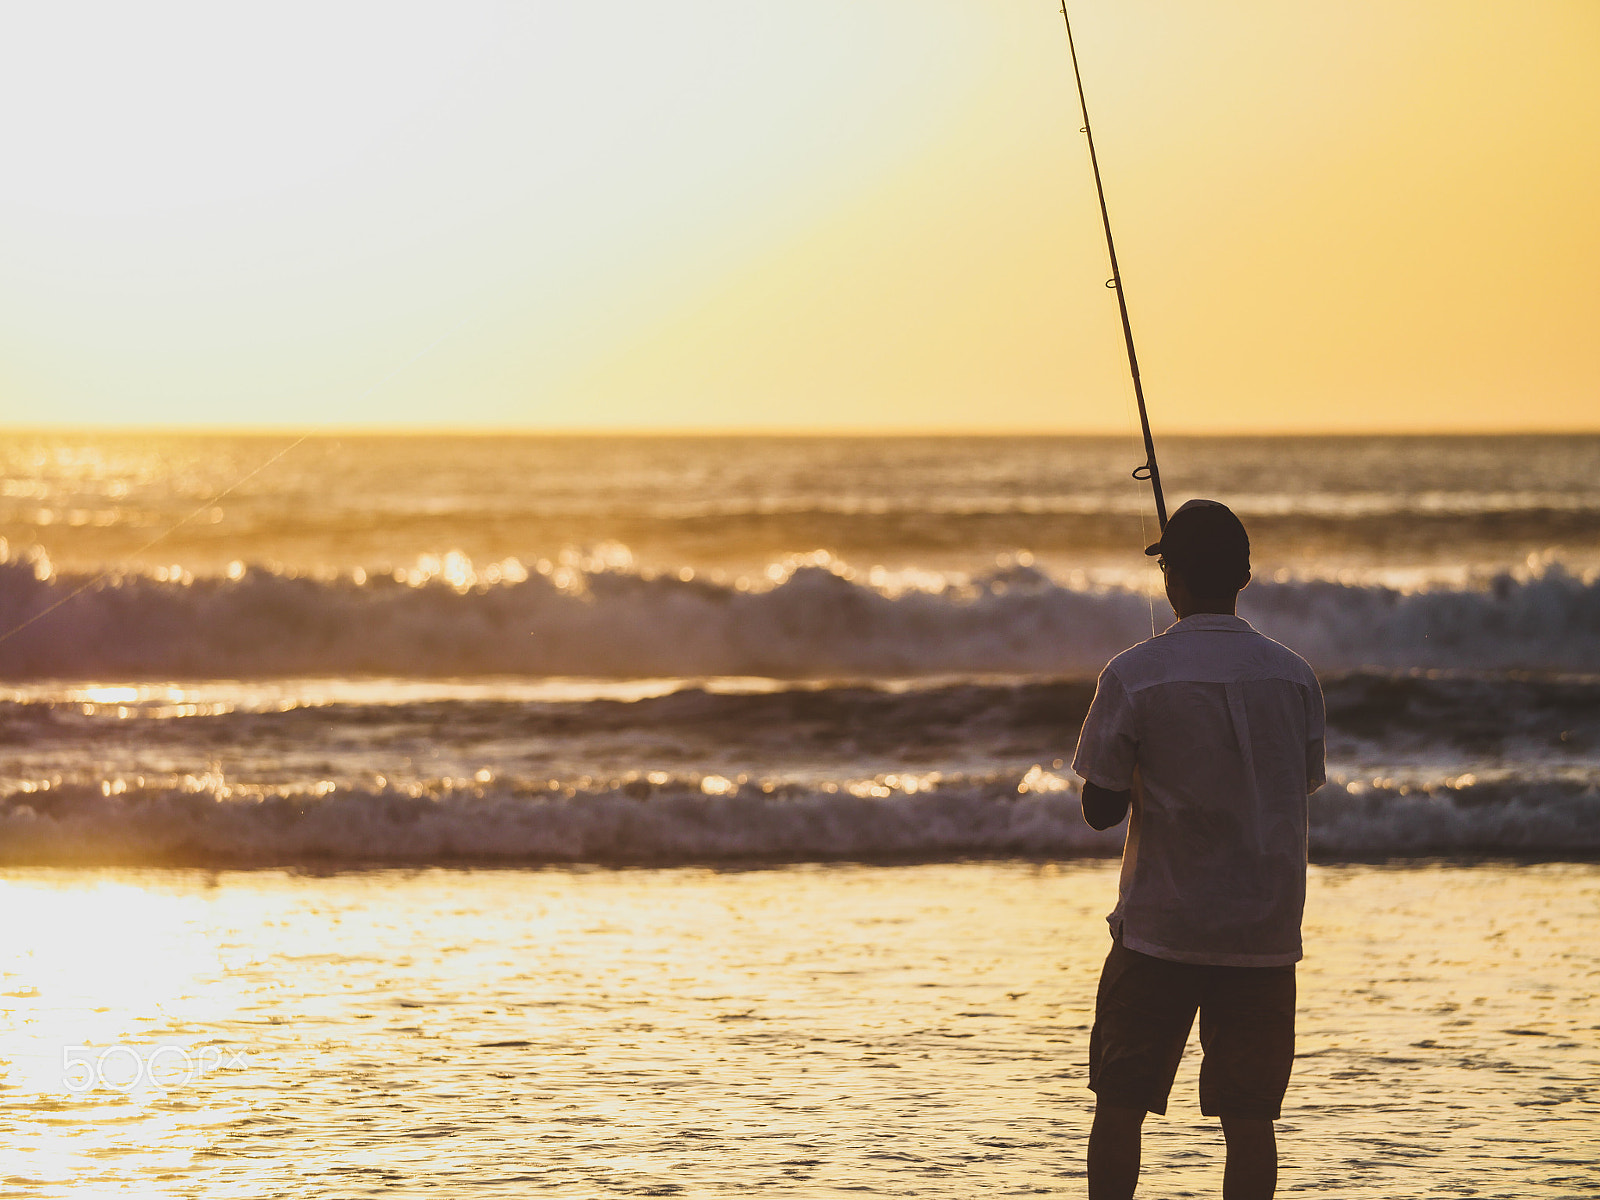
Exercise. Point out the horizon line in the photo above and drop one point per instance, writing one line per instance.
(423, 430)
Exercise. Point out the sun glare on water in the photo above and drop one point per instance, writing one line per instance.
(793, 1030)
(100, 990)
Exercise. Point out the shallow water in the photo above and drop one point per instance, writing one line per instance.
(804, 1031)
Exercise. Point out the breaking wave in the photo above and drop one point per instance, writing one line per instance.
(809, 619)
(640, 822)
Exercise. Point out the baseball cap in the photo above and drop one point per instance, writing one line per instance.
(1207, 543)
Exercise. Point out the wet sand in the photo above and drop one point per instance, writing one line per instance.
(801, 1031)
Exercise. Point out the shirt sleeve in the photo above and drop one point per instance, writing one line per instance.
(1316, 737)
(1108, 744)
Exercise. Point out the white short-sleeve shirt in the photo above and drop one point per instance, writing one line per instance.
(1219, 732)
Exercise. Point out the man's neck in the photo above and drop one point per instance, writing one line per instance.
(1186, 603)
(1221, 610)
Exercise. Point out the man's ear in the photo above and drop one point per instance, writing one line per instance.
(1246, 583)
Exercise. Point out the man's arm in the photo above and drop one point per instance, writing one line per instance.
(1102, 807)
(1108, 748)
(1316, 765)
(1316, 737)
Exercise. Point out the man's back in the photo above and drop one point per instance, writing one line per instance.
(1210, 736)
(1225, 728)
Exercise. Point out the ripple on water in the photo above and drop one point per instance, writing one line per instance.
(797, 1031)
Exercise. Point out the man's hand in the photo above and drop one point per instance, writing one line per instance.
(1102, 807)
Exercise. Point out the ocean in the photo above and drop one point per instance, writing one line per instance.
(671, 815)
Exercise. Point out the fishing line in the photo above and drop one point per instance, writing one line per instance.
(1148, 584)
(1150, 568)
(238, 483)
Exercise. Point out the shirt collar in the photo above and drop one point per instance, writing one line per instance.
(1220, 622)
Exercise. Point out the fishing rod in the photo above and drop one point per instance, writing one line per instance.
(1149, 470)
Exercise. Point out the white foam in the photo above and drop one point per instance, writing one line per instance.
(673, 824)
(679, 821)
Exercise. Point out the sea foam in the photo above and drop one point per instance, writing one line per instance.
(1035, 814)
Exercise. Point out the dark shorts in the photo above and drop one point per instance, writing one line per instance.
(1143, 1013)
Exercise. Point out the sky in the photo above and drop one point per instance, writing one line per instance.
(874, 215)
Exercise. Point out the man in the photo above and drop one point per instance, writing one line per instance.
(1213, 736)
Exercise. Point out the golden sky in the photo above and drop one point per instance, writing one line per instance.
(1332, 215)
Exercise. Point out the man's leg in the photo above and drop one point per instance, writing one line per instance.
(1142, 1014)
(1252, 1170)
(1114, 1151)
(1247, 1031)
